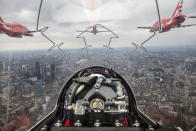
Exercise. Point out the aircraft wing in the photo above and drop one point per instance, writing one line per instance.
(21, 32)
(145, 27)
(17, 33)
(83, 31)
(188, 25)
(103, 31)
(191, 17)
(26, 33)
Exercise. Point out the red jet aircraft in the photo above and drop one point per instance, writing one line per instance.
(167, 24)
(94, 29)
(18, 30)
(14, 30)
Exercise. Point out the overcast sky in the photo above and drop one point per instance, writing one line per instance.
(65, 17)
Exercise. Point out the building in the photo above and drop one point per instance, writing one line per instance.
(37, 70)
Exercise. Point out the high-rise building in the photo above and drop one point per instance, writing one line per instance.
(25, 71)
(1, 66)
(37, 70)
(4, 64)
(47, 74)
(38, 88)
(53, 71)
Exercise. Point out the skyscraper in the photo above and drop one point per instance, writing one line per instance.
(25, 71)
(52, 66)
(4, 64)
(37, 70)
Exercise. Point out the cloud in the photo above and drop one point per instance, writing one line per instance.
(122, 16)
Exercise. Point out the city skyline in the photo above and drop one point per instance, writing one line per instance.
(163, 82)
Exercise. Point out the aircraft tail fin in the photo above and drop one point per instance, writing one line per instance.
(178, 10)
